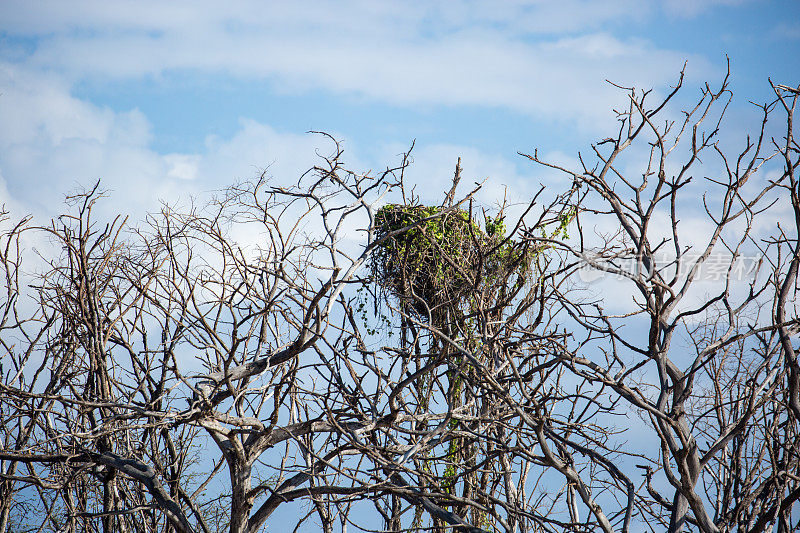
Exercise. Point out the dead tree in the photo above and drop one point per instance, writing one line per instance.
(713, 377)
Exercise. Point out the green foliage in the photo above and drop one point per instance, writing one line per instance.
(496, 227)
(563, 223)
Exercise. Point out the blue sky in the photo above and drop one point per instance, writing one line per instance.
(164, 102)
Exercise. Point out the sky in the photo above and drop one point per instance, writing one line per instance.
(165, 101)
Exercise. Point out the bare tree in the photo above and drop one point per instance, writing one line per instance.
(397, 366)
(723, 409)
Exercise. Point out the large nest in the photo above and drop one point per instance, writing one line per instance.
(435, 257)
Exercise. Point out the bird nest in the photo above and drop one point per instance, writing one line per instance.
(434, 257)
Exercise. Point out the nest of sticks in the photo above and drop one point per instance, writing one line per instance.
(435, 257)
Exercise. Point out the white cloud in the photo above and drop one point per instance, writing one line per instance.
(182, 166)
(60, 144)
(363, 17)
(692, 8)
(257, 148)
(464, 53)
(787, 30)
(430, 175)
